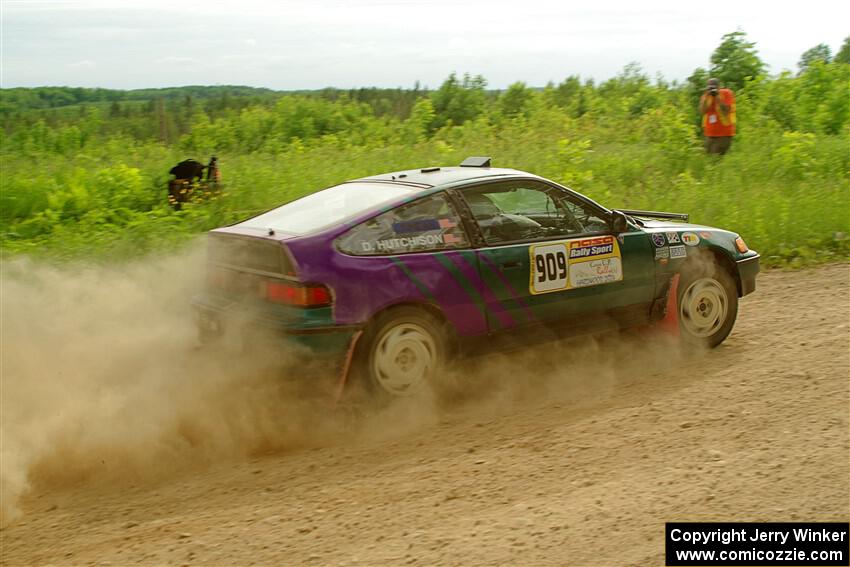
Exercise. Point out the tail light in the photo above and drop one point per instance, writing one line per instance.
(290, 293)
(741, 245)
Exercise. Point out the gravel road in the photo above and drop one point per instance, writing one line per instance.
(570, 454)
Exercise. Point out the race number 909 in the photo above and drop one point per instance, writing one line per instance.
(550, 269)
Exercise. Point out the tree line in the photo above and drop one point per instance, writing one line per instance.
(231, 117)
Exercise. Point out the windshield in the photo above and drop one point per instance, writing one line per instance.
(328, 207)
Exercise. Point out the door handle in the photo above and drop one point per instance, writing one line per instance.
(510, 265)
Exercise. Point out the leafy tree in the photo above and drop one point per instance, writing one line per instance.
(572, 95)
(695, 84)
(629, 91)
(458, 101)
(566, 92)
(820, 52)
(421, 122)
(843, 55)
(514, 101)
(735, 60)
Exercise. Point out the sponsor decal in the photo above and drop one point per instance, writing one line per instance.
(690, 238)
(595, 272)
(591, 247)
(582, 262)
(673, 238)
(705, 234)
(658, 239)
(422, 225)
(412, 226)
(678, 251)
(662, 253)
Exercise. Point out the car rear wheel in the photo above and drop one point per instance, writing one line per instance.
(708, 305)
(406, 351)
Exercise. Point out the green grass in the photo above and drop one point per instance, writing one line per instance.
(104, 198)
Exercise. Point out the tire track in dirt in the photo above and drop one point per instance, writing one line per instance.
(582, 467)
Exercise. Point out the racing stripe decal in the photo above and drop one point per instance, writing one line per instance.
(412, 277)
(470, 271)
(467, 287)
(448, 295)
(517, 298)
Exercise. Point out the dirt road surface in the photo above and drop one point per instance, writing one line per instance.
(574, 458)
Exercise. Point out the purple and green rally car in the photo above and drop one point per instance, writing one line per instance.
(395, 273)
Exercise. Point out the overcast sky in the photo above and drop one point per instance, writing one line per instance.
(286, 44)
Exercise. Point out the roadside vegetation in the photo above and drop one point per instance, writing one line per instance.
(85, 171)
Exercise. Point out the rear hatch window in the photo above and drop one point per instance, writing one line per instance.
(250, 253)
(328, 207)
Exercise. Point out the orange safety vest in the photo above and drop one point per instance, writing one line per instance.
(715, 122)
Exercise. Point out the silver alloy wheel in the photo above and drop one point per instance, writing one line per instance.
(704, 307)
(404, 358)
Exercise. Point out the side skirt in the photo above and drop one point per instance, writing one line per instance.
(578, 325)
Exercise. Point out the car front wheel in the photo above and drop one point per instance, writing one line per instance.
(708, 305)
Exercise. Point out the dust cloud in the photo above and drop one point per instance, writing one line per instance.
(575, 374)
(103, 381)
(102, 377)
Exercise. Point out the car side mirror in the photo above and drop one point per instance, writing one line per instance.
(618, 222)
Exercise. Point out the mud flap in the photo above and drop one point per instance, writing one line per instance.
(670, 323)
(346, 367)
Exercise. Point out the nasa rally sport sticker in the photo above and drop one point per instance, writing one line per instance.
(569, 264)
(658, 239)
(673, 238)
(690, 238)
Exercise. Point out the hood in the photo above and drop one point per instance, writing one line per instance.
(651, 225)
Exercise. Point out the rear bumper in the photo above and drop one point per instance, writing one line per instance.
(748, 269)
(215, 316)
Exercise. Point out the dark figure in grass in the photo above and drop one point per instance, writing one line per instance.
(188, 177)
(213, 174)
(717, 107)
(188, 169)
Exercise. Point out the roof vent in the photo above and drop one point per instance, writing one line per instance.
(476, 162)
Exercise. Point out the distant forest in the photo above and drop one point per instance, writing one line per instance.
(15, 101)
(167, 114)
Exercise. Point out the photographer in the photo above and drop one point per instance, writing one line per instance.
(717, 107)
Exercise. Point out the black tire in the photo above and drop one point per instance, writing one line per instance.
(707, 304)
(402, 353)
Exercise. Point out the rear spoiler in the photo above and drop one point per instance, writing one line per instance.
(657, 215)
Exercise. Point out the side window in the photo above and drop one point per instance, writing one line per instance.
(586, 217)
(529, 210)
(525, 200)
(427, 224)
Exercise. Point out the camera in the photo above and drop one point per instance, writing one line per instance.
(712, 91)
